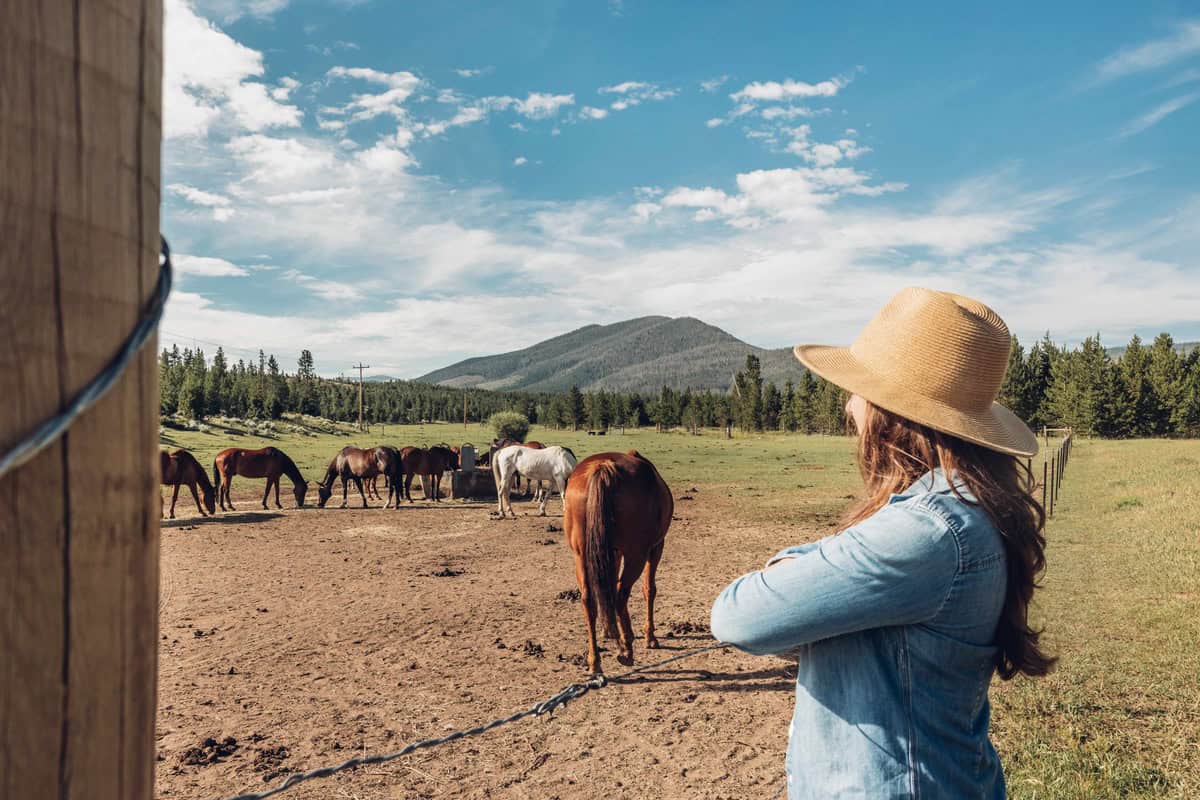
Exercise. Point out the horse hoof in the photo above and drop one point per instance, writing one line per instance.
(625, 660)
(652, 644)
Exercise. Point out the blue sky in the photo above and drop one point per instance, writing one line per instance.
(410, 184)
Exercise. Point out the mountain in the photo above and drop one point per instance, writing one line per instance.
(1183, 348)
(642, 354)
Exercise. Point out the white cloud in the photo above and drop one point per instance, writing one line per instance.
(787, 112)
(205, 266)
(713, 84)
(540, 105)
(520, 161)
(232, 10)
(714, 122)
(784, 90)
(206, 80)
(593, 113)
(1157, 114)
(632, 93)
(1182, 43)
(401, 86)
(326, 290)
(472, 73)
(222, 206)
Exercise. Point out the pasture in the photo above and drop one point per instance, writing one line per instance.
(311, 636)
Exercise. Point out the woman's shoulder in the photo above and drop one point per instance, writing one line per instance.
(961, 517)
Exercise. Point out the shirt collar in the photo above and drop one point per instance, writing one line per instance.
(933, 482)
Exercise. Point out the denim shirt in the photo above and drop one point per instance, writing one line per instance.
(894, 622)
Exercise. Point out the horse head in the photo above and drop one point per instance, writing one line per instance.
(299, 489)
(210, 499)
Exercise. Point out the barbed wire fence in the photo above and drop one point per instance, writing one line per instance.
(547, 706)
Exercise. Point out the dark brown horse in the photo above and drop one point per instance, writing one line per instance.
(617, 510)
(270, 463)
(350, 464)
(431, 462)
(180, 468)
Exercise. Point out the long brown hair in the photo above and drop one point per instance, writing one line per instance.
(893, 452)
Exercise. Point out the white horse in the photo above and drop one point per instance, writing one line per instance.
(554, 464)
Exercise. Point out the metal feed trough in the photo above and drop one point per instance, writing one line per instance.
(471, 482)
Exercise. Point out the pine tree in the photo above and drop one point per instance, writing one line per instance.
(788, 417)
(1134, 369)
(575, 407)
(1164, 374)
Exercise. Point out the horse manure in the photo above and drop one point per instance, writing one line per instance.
(552, 528)
(500, 645)
(547, 541)
(686, 497)
(209, 751)
(534, 649)
(575, 660)
(569, 595)
(680, 628)
(447, 572)
(270, 760)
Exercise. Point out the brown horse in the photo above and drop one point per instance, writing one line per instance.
(351, 463)
(616, 504)
(432, 462)
(269, 463)
(179, 468)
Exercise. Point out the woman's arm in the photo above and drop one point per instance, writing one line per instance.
(894, 568)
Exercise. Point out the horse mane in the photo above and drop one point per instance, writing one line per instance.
(201, 472)
(289, 467)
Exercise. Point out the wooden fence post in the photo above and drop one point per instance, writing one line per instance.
(80, 134)
(1053, 484)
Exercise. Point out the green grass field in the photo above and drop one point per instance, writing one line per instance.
(1120, 716)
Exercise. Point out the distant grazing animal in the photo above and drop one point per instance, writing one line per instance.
(356, 463)
(431, 462)
(179, 468)
(549, 464)
(616, 510)
(270, 463)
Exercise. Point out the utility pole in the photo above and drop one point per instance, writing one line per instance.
(360, 367)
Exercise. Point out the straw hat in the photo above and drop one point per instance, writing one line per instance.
(935, 358)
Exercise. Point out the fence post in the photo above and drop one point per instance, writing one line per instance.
(1045, 490)
(80, 88)
(1053, 483)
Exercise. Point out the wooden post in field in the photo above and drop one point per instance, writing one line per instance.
(1053, 484)
(1045, 490)
(80, 134)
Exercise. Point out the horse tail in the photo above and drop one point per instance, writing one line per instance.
(599, 558)
(216, 473)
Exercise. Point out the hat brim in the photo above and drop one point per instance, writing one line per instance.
(996, 429)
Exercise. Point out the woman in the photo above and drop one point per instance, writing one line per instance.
(901, 618)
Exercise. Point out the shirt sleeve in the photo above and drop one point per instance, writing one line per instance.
(893, 568)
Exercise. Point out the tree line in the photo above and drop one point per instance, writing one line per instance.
(1149, 391)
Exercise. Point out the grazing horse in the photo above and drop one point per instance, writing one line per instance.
(355, 463)
(182, 467)
(432, 462)
(616, 505)
(270, 463)
(548, 464)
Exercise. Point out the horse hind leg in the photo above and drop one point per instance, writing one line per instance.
(278, 478)
(358, 482)
(266, 494)
(227, 488)
(649, 592)
(630, 570)
(589, 613)
(174, 497)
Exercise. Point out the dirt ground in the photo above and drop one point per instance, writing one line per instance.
(297, 639)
